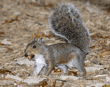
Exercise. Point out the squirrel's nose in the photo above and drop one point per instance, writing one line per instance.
(26, 55)
(32, 56)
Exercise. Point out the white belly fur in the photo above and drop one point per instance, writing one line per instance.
(39, 62)
(39, 59)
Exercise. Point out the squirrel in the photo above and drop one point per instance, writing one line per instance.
(64, 21)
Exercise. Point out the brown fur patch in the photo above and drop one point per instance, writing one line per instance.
(70, 57)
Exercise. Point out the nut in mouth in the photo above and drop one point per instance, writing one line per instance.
(29, 56)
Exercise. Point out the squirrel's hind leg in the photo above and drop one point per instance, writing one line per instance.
(49, 67)
(77, 61)
(63, 68)
(79, 64)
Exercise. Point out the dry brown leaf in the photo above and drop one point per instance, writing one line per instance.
(92, 47)
(12, 20)
(42, 83)
(39, 35)
(106, 85)
(72, 73)
(43, 4)
(56, 70)
(99, 47)
(105, 53)
(4, 71)
(2, 44)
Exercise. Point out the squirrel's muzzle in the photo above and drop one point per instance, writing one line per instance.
(29, 56)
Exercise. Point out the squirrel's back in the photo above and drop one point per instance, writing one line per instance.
(65, 22)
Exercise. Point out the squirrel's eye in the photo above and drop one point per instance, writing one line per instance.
(34, 46)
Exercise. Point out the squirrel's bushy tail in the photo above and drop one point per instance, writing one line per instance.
(65, 22)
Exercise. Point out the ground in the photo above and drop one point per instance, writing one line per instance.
(21, 20)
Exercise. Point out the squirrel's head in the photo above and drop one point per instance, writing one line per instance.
(33, 48)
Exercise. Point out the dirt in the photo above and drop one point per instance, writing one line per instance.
(21, 20)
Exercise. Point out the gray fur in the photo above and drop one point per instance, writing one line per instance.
(58, 55)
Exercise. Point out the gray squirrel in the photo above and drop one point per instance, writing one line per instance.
(65, 21)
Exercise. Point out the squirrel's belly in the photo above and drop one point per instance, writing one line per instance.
(39, 59)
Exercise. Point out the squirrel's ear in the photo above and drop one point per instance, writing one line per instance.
(39, 41)
(34, 39)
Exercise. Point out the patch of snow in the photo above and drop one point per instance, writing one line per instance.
(108, 42)
(107, 79)
(17, 13)
(44, 13)
(98, 84)
(8, 76)
(31, 80)
(94, 68)
(98, 66)
(101, 75)
(3, 50)
(15, 84)
(25, 61)
(92, 10)
(15, 51)
(6, 42)
(62, 77)
(33, 0)
(25, 44)
(5, 82)
(87, 61)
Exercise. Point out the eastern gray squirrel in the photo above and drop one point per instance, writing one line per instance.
(64, 21)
